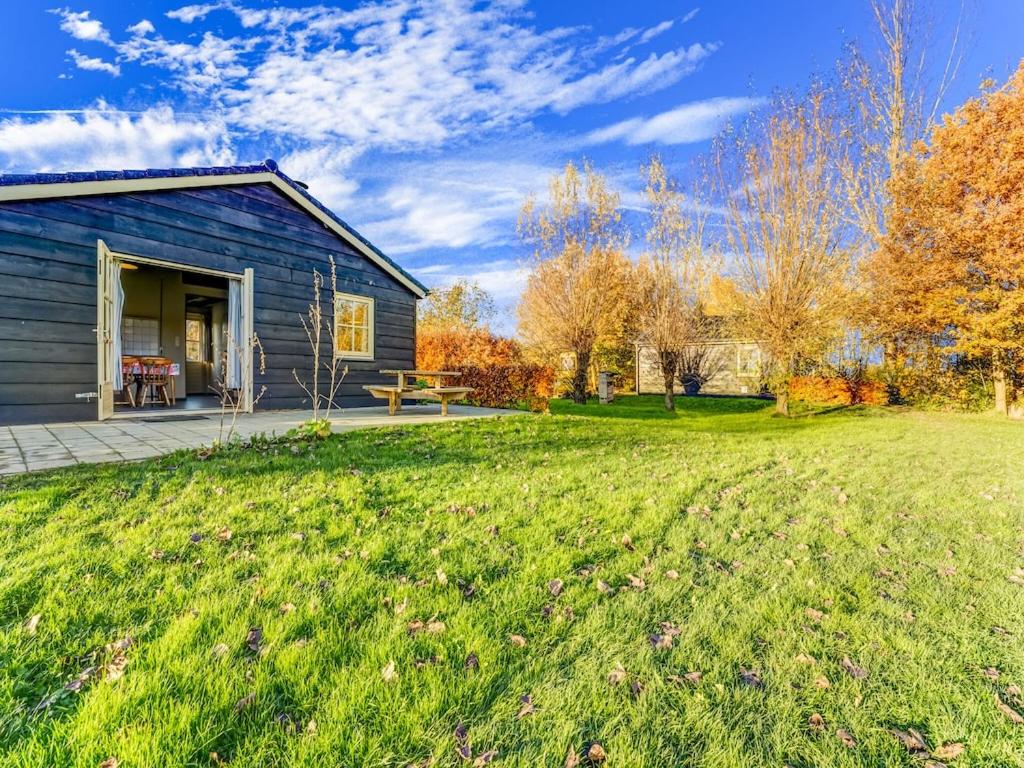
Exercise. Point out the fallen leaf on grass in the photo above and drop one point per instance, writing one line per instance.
(485, 758)
(472, 662)
(817, 722)
(604, 588)
(244, 702)
(671, 575)
(814, 615)
(442, 577)
(803, 658)
(388, 673)
(224, 534)
(253, 639)
(110, 762)
(1010, 712)
(596, 753)
(947, 570)
(858, 673)
(991, 673)
(517, 640)
(555, 587)
(617, 675)
(821, 682)
(844, 736)
(751, 677)
(32, 623)
(661, 642)
(949, 751)
(627, 542)
(911, 740)
(462, 742)
(287, 607)
(636, 582)
(527, 707)
(693, 678)
(572, 759)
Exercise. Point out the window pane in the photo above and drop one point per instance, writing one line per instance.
(344, 311)
(360, 314)
(358, 340)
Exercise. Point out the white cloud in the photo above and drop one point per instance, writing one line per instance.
(105, 139)
(691, 15)
(189, 13)
(326, 169)
(693, 122)
(197, 68)
(454, 204)
(653, 32)
(93, 63)
(394, 73)
(144, 27)
(81, 27)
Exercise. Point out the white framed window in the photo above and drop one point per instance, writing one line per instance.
(353, 326)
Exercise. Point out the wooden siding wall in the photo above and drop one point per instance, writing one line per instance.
(48, 288)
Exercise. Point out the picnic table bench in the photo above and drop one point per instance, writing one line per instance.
(436, 389)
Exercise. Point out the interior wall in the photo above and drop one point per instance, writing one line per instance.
(160, 294)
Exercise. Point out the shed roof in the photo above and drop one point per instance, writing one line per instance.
(44, 185)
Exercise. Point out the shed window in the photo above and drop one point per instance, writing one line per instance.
(353, 326)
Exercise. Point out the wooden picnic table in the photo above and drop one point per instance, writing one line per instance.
(437, 388)
(436, 378)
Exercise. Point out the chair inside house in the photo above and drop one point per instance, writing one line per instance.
(131, 370)
(155, 380)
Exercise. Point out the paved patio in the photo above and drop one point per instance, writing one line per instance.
(31, 447)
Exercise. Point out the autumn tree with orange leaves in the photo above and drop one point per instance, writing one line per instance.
(954, 254)
(576, 293)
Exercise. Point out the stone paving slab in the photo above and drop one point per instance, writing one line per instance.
(35, 447)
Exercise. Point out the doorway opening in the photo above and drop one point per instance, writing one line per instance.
(171, 338)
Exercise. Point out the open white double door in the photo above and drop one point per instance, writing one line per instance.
(108, 322)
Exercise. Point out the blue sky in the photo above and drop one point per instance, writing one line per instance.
(424, 124)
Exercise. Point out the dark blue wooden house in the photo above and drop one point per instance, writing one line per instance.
(99, 269)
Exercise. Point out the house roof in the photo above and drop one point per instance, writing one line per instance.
(46, 185)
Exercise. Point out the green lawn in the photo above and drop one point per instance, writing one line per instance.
(857, 566)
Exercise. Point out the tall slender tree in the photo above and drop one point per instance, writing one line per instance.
(672, 276)
(575, 293)
(781, 183)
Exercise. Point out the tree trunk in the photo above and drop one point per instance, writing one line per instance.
(782, 400)
(999, 380)
(580, 377)
(668, 373)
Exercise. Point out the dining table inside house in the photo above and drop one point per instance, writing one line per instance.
(149, 378)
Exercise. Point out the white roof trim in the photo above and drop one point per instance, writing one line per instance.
(79, 188)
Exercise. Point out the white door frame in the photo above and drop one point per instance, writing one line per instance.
(106, 273)
(104, 312)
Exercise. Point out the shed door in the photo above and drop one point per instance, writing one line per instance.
(106, 275)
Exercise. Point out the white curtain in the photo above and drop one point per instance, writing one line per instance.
(115, 331)
(234, 361)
